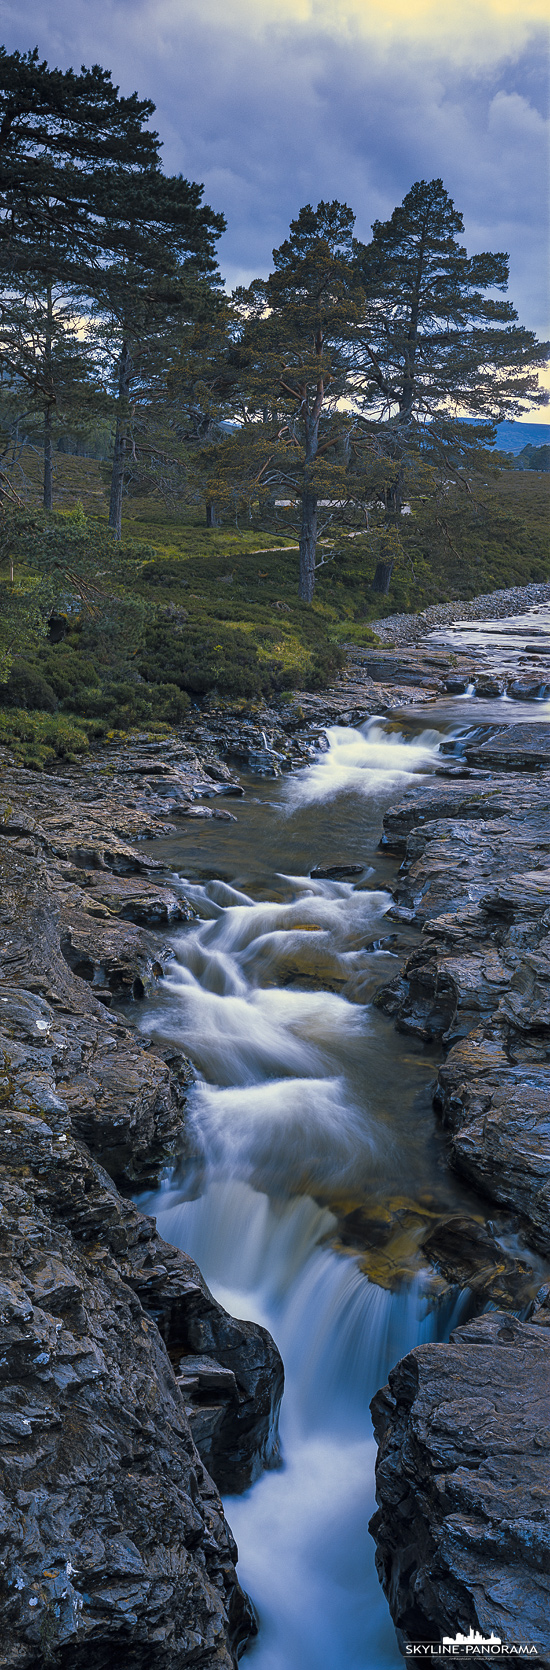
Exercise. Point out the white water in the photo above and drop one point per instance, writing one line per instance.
(305, 1553)
(278, 1110)
(365, 761)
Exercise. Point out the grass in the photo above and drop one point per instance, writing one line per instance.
(38, 739)
(223, 617)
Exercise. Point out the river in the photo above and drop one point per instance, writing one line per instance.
(308, 1106)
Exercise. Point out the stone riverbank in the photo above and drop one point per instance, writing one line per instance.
(463, 1473)
(128, 1396)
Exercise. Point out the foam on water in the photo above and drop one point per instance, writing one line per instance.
(305, 1554)
(364, 761)
(274, 1113)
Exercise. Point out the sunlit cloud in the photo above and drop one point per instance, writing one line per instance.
(465, 28)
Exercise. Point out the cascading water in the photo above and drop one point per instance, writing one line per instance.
(291, 1104)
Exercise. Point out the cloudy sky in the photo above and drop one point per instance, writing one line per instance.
(275, 103)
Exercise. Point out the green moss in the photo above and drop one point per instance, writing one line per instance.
(38, 739)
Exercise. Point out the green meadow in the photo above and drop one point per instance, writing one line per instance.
(219, 616)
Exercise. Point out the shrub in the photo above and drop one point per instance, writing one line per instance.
(68, 672)
(204, 658)
(26, 688)
(38, 739)
(166, 572)
(125, 703)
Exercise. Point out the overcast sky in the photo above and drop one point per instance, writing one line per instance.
(275, 103)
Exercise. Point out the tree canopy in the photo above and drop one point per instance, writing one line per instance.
(438, 345)
(294, 379)
(88, 218)
(350, 383)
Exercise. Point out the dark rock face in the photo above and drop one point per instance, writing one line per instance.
(480, 982)
(123, 1099)
(233, 1410)
(491, 798)
(114, 1545)
(518, 748)
(118, 959)
(463, 1486)
(500, 1122)
(463, 1479)
(114, 1541)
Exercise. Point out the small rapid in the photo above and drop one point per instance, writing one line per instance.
(293, 1111)
(368, 761)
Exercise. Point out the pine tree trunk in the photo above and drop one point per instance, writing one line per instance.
(48, 444)
(308, 546)
(119, 455)
(382, 577)
(48, 459)
(211, 518)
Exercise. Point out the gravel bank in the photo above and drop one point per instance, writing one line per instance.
(495, 605)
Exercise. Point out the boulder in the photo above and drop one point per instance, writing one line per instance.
(463, 1486)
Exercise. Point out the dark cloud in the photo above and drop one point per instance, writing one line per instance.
(278, 116)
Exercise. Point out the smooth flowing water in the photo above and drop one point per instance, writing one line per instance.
(307, 1103)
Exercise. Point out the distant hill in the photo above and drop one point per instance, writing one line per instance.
(513, 437)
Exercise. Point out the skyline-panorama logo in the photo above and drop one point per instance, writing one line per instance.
(473, 1645)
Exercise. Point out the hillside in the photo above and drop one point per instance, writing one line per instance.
(220, 617)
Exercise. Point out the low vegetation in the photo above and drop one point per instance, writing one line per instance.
(212, 613)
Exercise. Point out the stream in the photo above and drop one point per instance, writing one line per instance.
(308, 1106)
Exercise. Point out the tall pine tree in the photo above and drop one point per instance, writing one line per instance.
(441, 358)
(159, 260)
(60, 133)
(88, 218)
(293, 382)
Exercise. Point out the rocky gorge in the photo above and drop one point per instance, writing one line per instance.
(131, 1397)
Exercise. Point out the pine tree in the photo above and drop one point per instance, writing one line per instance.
(88, 218)
(159, 243)
(60, 133)
(437, 347)
(292, 363)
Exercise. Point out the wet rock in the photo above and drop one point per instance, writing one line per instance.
(467, 1253)
(489, 684)
(123, 1098)
(101, 854)
(463, 1486)
(497, 797)
(518, 748)
(443, 997)
(525, 689)
(238, 1363)
(499, 1115)
(451, 862)
(114, 1542)
(482, 976)
(457, 684)
(116, 958)
(337, 872)
(131, 899)
(115, 1547)
(397, 1239)
(264, 762)
(424, 667)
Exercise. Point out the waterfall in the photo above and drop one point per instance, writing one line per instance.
(285, 1112)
